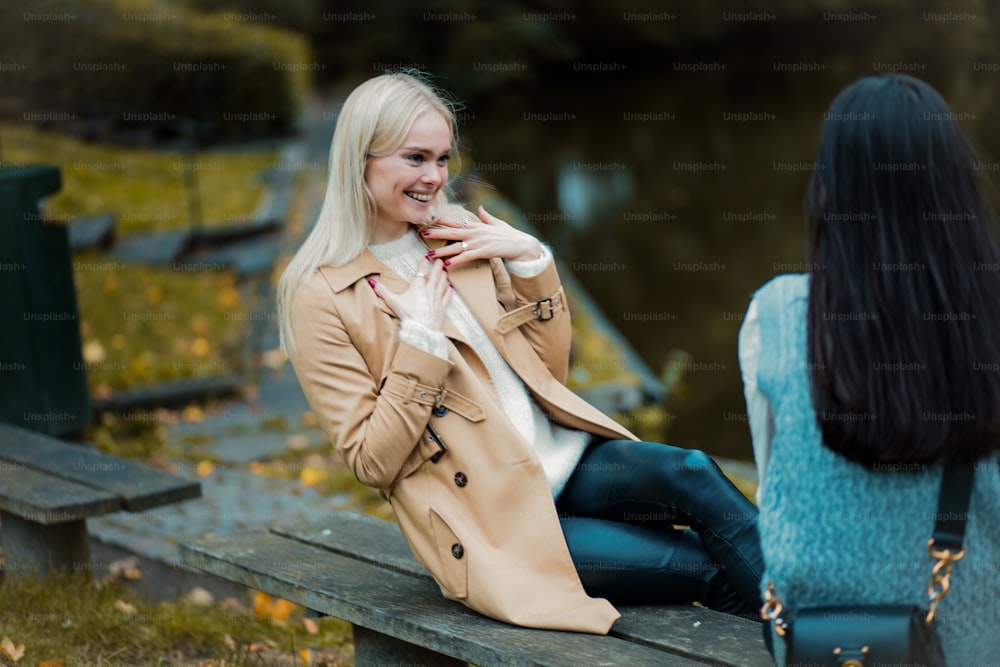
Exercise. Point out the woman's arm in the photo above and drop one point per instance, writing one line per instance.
(758, 408)
(374, 428)
(549, 331)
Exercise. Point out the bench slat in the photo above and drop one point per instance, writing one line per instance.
(687, 630)
(49, 500)
(407, 607)
(140, 487)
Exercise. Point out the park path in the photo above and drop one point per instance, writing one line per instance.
(271, 420)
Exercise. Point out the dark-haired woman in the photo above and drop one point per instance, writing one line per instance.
(865, 375)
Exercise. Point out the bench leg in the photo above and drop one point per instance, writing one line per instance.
(29, 545)
(374, 649)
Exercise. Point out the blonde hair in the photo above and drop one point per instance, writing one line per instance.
(374, 121)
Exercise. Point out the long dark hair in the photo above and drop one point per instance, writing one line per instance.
(904, 295)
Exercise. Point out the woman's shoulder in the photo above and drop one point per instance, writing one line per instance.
(783, 288)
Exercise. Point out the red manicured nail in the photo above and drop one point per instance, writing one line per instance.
(429, 254)
(451, 286)
(426, 232)
(447, 263)
(371, 283)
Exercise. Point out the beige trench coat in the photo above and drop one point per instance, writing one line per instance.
(476, 510)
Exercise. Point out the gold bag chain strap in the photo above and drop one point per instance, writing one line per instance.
(949, 533)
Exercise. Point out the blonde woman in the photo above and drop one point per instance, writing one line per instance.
(433, 343)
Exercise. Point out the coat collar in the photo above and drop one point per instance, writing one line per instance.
(473, 282)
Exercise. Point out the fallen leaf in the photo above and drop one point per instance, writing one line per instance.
(200, 347)
(132, 573)
(297, 441)
(194, 414)
(93, 352)
(306, 656)
(282, 609)
(311, 626)
(7, 647)
(311, 475)
(124, 607)
(205, 468)
(51, 663)
(199, 596)
(261, 605)
(257, 647)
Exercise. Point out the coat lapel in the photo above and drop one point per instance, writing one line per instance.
(474, 283)
(365, 266)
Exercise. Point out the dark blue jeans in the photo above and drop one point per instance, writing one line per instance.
(618, 514)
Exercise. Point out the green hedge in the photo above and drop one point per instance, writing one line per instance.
(134, 62)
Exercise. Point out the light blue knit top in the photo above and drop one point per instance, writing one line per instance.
(834, 532)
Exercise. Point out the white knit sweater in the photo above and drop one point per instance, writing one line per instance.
(558, 448)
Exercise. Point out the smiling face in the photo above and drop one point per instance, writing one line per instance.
(405, 181)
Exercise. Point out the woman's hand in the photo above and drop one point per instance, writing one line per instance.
(426, 300)
(488, 237)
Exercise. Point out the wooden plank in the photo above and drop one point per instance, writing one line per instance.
(138, 486)
(171, 393)
(48, 500)
(688, 630)
(406, 607)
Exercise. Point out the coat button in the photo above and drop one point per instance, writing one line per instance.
(461, 479)
(457, 550)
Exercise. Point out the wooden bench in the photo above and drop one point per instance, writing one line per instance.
(359, 568)
(49, 488)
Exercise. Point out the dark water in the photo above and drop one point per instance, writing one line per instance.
(671, 206)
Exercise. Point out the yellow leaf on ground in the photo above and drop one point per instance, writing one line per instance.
(200, 347)
(7, 647)
(311, 475)
(261, 604)
(229, 297)
(282, 609)
(312, 627)
(205, 468)
(51, 663)
(306, 656)
(154, 294)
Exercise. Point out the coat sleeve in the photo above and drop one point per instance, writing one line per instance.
(550, 337)
(375, 428)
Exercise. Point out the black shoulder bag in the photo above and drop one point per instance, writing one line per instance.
(862, 636)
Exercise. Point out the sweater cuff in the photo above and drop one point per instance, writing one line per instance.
(424, 338)
(532, 267)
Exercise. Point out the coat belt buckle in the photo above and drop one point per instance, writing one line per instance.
(538, 311)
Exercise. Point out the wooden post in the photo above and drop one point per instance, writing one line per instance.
(374, 649)
(28, 545)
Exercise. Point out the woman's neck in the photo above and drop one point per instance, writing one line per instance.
(385, 232)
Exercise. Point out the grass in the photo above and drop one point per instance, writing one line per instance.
(143, 325)
(146, 189)
(70, 620)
